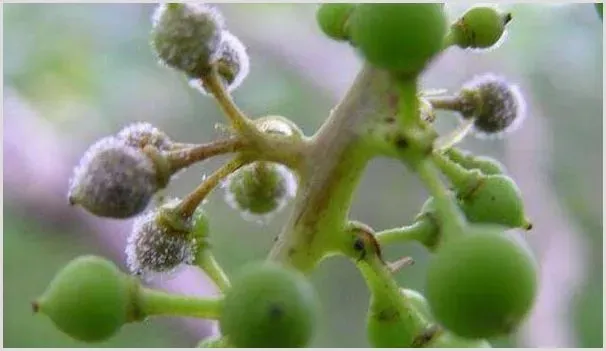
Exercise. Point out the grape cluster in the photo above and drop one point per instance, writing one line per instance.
(480, 283)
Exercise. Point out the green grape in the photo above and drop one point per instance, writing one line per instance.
(387, 326)
(88, 299)
(447, 339)
(480, 27)
(214, 343)
(599, 8)
(332, 19)
(467, 160)
(444, 338)
(402, 38)
(481, 284)
(418, 301)
(269, 306)
(497, 200)
(260, 188)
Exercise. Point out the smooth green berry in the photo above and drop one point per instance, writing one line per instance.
(481, 284)
(214, 343)
(417, 300)
(260, 188)
(444, 338)
(332, 19)
(402, 38)
(114, 180)
(387, 326)
(88, 299)
(480, 27)
(269, 306)
(495, 199)
(486, 165)
(187, 36)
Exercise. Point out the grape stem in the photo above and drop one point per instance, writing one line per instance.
(447, 209)
(449, 103)
(419, 231)
(239, 121)
(158, 303)
(186, 157)
(206, 261)
(385, 290)
(188, 205)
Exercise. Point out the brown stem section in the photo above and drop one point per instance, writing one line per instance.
(239, 121)
(450, 103)
(188, 205)
(186, 157)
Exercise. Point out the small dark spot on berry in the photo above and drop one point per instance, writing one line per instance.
(493, 198)
(401, 142)
(390, 119)
(35, 306)
(388, 314)
(275, 311)
(529, 226)
(508, 17)
(426, 336)
(358, 244)
(291, 251)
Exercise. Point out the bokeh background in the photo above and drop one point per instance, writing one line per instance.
(76, 72)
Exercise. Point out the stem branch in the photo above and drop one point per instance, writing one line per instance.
(188, 205)
(206, 261)
(417, 231)
(159, 303)
(449, 213)
(238, 120)
(186, 157)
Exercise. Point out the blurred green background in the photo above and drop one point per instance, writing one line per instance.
(77, 72)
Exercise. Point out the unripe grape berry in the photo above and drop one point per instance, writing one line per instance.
(159, 243)
(496, 106)
(260, 188)
(481, 284)
(447, 339)
(480, 27)
(398, 37)
(444, 338)
(187, 36)
(141, 134)
(88, 299)
(114, 180)
(278, 125)
(486, 165)
(388, 326)
(233, 62)
(417, 300)
(497, 200)
(332, 19)
(269, 306)
(214, 343)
